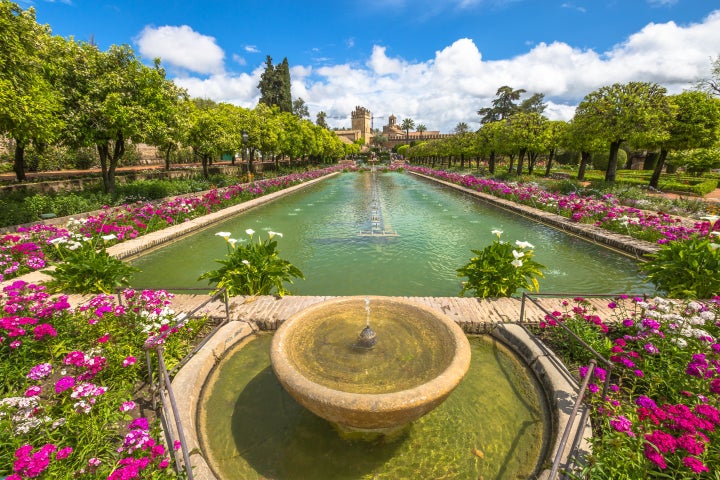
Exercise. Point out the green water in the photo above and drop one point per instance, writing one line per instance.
(436, 228)
(492, 426)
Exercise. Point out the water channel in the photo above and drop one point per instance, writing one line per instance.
(392, 234)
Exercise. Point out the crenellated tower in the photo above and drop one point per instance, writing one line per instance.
(361, 121)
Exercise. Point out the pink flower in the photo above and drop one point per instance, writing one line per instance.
(44, 330)
(94, 462)
(104, 338)
(33, 391)
(127, 406)
(64, 383)
(694, 464)
(40, 371)
(129, 361)
(140, 423)
(622, 424)
(63, 453)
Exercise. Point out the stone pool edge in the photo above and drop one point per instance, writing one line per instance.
(559, 387)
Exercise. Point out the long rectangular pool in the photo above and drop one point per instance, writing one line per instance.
(390, 233)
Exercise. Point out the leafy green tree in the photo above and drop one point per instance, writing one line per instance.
(554, 136)
(300, 108)
(205, 132)
(637, 112)
(694, 124)
(502, 107)
(111, 98)
(534, 104)
(490, 141)
(29, 103)
(407, 125)
(524, 134)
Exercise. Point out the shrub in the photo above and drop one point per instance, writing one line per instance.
(253, 267)
(86, 267)
(500, 269)
(686, 269)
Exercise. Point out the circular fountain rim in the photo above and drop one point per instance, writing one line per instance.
(435, 388)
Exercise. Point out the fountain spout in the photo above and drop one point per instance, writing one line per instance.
(368, 337)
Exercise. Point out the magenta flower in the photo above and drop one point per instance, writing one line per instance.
(622, 424)
(33, 391)
(695, 465)
(64, 383)
(129, 361)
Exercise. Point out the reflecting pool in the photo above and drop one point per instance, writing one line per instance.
(390, 234)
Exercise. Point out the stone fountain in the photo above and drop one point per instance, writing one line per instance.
(373, 380)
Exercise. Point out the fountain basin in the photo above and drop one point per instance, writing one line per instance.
(420, 357)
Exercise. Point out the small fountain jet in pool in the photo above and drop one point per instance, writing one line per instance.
(367, 338)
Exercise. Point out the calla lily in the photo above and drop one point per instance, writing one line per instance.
(107, 238)
(250, 231)
(225, 235)
(272, 234)
(245, 262)
(497, 232)
(524, 244)
(517, 263)
(517, 254)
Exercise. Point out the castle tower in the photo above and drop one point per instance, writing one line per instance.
(361, 121)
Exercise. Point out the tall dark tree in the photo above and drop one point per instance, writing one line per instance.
(503, 106)
(274, 85)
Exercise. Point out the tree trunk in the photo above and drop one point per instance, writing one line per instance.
(491, 163)
(251, 165)
(205, 162)
(19, 162)
(167, 158)
(584, 160)
(521, 157)
(659, 164)
(549, 162)
(532, 159)
(104, 153)
(612, 162)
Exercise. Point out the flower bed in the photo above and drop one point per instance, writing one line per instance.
(71, 402)
(31, 248)
(660, 416)
(606, 212)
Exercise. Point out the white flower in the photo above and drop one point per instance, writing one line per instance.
(107, 238)
(524, 244)
(232, 241)
(58, 240)
(250, 231)
(497, 232)
(272, 234)
(517, 254)
(517, 263)
(711, 218)
(225, 235)
(245, 262)
(714, 246)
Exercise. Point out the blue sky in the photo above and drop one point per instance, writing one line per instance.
(436, 62)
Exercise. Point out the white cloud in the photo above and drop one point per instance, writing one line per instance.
(451, 86)
(182, 47)
(252, 49)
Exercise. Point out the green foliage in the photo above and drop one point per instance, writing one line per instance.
(86, 267)
(500, 269)
(686, 269)
(252, 267)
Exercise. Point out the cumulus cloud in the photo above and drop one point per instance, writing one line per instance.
(182, 48)
(452, 85)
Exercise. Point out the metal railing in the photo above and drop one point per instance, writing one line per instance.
(162, 387)
(585, 380)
